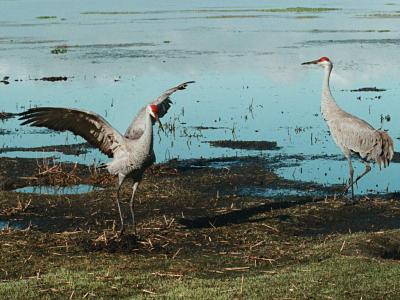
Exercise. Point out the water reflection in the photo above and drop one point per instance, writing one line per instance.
(255, 64)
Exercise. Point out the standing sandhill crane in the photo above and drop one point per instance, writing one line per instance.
(352, 134)
(132, 153)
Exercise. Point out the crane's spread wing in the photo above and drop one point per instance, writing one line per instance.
(92, 127)
(136, 128)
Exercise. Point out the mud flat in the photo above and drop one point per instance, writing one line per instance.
(199, 237)
(5, 115)
(72, 149)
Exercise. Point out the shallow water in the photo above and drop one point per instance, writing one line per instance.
(13, 224)
(276, 193)
(58, 190)
(245, 59)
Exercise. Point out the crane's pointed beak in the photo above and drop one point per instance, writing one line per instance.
(159, 123)
(310, 62)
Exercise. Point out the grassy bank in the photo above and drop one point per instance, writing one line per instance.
(200, 238)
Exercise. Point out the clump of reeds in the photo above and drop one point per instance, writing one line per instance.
(98, 177)
(55, 173)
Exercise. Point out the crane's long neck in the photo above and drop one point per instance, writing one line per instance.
(328, 104)
(146, 140)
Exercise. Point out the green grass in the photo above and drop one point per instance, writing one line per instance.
(339, 277)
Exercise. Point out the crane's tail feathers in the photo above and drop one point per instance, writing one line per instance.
(386, 151)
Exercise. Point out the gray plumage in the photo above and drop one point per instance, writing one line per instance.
(352, 134)
(132, 153)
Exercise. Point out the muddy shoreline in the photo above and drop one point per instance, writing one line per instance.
(190, 216)
(73, 149)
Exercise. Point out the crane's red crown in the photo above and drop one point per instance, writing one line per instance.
(324, 58)
(154, 109)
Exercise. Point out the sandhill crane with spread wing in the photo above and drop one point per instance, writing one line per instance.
(132, 153)
(352, 134)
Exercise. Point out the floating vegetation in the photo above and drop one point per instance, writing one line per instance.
(46, 17)
(247, 145)
(142, 53)
(381, 16)
(306, 17)
(368, 89)
(347, 30)
(209, 127)
(299, 9)
(235, 16)
(115, 12)
(59, 50)
(54, 78)
(114, 45)
(265, 10)
(353, 41)
(28, 41)
(5, 80)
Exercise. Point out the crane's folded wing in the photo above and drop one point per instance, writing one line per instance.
(361, 138)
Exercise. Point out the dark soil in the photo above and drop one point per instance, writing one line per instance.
(74, 149)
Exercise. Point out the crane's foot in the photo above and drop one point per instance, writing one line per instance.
(121, 231)
(350, 199)
(345, 192)
(350, 202)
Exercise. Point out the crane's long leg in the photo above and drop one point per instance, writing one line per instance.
(367, 169)
(119, 210)
(132, 204)
(121, 179)
(351, 175)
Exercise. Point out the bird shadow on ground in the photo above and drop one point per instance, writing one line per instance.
(238, 216)
(313, 217)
